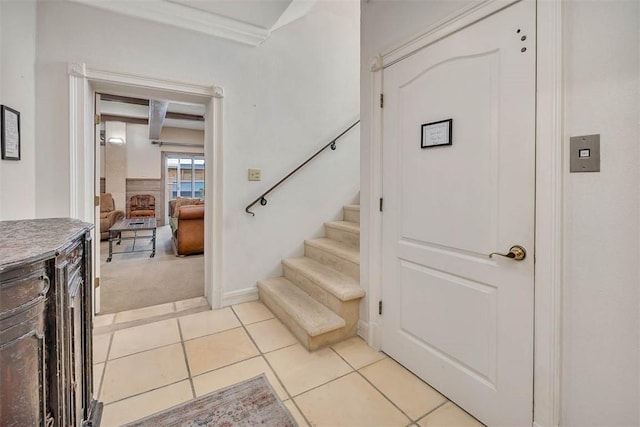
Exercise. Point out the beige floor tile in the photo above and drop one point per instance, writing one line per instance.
(145, 337)
(143, 313)
(218, 350)
(101, 347)
(449, 415)
(207, 323)
(349, 401)
(103, 320)
(229, 375)
(191, 303)
(252, 312)
(97, 378)
(142, 372)
(271, 335)
(300, 370)
(296, 413)
(136, 407)
(357, 353)
(404, 389)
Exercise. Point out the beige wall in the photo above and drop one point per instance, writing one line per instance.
(144, 158)
(282, 101)
(600, 381)
(17, 90)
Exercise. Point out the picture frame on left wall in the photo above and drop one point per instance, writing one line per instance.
(9, 133)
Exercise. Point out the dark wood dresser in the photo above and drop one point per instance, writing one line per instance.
(46, 324)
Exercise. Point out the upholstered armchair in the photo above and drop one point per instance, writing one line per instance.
(108, 214)
(142, 205)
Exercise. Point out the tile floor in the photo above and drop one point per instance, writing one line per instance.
(146, 368)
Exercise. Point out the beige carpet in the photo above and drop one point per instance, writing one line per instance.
(134, 280)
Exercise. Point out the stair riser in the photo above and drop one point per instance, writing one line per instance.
(342, 265)
(343, 236)
(310, 343)
(351, 215)
(348, 310)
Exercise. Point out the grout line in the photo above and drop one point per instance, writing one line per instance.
(372, 385)
(325, 383)
(386, 397)
(260, 353)
(147, 320)
(433, 410)
(186, 359)
(275, 374)
(146, 391)
(104, 369)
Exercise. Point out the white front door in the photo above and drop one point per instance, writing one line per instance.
(457, 318)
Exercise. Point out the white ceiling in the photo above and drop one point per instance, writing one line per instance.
(245, 21)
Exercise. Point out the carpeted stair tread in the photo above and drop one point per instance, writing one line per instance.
(313, 317)
(343, 287)
(334, 247)
(348, 226)
(351, 213)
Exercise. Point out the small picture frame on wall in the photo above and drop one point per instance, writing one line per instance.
(438, 133)
(9, 133)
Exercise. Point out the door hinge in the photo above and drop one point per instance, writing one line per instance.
(381, 202)
(96, 201)
(380, 307)
(381, 100)
(96, 119)
(96, 282)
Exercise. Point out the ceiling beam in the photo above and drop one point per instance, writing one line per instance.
(125, 119)
(125, 99)
(184, 116)
(157, 114)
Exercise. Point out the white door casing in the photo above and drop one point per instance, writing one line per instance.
(84, 82)
(458, 319)
(96, 221)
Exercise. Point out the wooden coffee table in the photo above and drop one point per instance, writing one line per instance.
(135, 225)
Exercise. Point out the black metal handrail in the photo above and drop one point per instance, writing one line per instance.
(262, 199)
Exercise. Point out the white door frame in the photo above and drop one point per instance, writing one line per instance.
(83, 82)
(548, 232)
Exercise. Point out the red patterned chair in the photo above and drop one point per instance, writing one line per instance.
(142, 205)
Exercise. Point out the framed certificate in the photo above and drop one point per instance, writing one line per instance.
(438, 133)
(9, 133)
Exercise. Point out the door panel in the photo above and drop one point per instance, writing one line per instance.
(459, 319)
(427, 296)
(460, 87)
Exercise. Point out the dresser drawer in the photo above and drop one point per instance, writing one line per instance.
(20, 288)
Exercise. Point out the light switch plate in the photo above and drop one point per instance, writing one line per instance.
(255, 175)
(585, 153)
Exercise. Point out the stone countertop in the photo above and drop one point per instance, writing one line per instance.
(35, 239)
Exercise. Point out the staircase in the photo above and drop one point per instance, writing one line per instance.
(318, 298)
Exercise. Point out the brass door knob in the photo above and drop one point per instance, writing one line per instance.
(516, 253)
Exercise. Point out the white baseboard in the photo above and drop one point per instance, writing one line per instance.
(238, 297)
(363, 330)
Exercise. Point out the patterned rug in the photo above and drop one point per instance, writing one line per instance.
(249, 403)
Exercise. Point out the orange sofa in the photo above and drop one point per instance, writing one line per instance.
(108, 214)
(187, 226)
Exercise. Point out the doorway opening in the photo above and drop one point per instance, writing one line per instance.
(84, 83)
(150, 154)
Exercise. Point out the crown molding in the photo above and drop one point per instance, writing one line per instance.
(185, 17)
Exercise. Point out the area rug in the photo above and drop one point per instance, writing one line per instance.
(249, 403)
